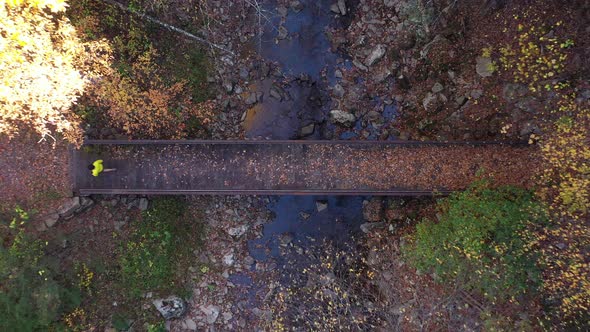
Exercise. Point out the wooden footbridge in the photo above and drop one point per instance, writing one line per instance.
(297, 167)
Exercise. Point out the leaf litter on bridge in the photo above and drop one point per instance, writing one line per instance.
(310, 167)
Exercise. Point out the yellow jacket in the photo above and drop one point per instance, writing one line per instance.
(97, 167)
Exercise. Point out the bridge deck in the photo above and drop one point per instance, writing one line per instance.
(296, 167)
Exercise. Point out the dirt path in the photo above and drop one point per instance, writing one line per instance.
(32, 173)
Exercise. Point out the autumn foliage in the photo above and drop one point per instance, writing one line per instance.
(40, 82)
(141, 105)
(565, 243)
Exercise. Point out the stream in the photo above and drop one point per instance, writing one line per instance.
(309, 66)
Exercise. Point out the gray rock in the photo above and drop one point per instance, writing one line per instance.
(375, 118)
(429, 100)
(334, 8)
(119, 224)
(171, 307)
(68, 209)
(389, 3)
(85, 204)
(475, 94)
(51, 219)
(359, 65)
(228, 86)
(343, 118)
(484, 66)
(342, 7)
(461, 100)
(437, 87)
(369, 227)
(381, 75)
(249, 261)
(276, 93)
(264, 69)
(143, 204)
(189, 324)
(212, 312)
(307, 130)
(376, 54)
(244, 73)
(338, 91)
(296, 6)
(283, 11)
(251, 99)
(229, 259)
(321, 205)
(285, 239)
(236, 232)
(283, 32)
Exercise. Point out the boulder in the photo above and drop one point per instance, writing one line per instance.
(369, 227)
(189, 324)
(437, 87)
(143, 204)
(376, 54)
(296, 6)
(251, 99)
(321, 205)
(85, 204)
(484, 66)
(212, 312)
(307, 130)
(236, 232)
(68, 209)
(51, 219)
(171, 307)
(338, 91)
(282, 32)
(343, 118)
(342, 7)
(229, 259)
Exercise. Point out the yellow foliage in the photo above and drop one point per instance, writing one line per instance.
(53, 5)
(533, 57)
(38, 57)
(566, 187)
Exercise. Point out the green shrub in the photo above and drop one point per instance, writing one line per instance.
(31, 296)
(149, 259)
(481, 242)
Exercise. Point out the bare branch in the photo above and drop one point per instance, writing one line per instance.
(168, 26)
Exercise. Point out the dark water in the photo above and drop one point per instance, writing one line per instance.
(298, 219)
(305, 52)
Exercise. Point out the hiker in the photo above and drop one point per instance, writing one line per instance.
(97, 167)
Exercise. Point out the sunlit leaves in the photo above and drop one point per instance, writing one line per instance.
(39, 81)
